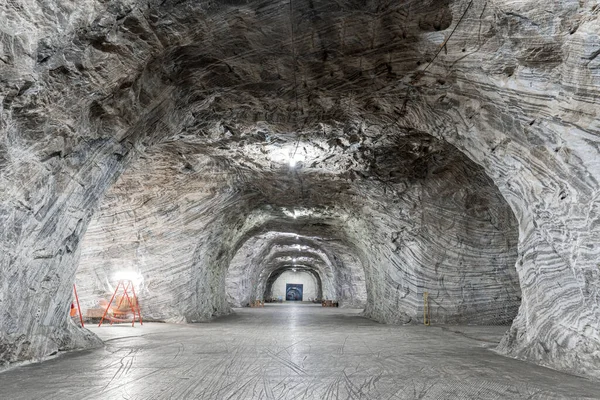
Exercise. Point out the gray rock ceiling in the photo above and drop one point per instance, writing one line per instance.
(158, 136)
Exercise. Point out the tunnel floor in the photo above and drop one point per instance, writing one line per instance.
(292, 351)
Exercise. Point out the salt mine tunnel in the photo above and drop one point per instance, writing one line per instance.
(430, 167)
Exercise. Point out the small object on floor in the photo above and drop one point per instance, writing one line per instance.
(92, 314)
(329, 303)
(257, 303)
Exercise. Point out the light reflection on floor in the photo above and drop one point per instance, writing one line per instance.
(291, 351)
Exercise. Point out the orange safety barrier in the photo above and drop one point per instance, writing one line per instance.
(132, 301)
(78, 307)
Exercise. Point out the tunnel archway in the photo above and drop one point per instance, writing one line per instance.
(167, 88)
(427, 229)
(314, 293)
(339, 270)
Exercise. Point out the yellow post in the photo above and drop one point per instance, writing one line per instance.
(426, 319)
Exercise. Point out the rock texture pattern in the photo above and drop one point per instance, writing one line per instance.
(198, 227)
(434, 144)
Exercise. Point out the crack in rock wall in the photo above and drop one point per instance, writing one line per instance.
(87, 89)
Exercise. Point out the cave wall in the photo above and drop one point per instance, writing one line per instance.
(469, 249)
(440, 225)
(87, 88)
(450, 234)
(529, 117)
(59, 152)
(153, 222)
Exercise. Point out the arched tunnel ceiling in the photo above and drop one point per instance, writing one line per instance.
(253, 266)
(416, 155)
(207, 221)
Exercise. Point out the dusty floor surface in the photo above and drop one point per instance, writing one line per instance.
(292, 352)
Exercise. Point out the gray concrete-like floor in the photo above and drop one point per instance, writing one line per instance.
(292, 352)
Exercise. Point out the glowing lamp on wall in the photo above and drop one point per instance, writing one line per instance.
(135, 277)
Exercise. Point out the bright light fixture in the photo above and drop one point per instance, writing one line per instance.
(295, 159)
(304, 212)
(290, 155)
(126, 275)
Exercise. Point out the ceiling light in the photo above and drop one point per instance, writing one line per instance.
(295, 159)
(302, 212)
(286, 154)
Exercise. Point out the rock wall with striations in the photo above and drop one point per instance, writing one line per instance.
(397, 104)
(199, 227)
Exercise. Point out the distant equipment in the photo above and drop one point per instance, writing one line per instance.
(119, 313)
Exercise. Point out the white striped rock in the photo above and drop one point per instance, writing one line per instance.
(155, 136)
